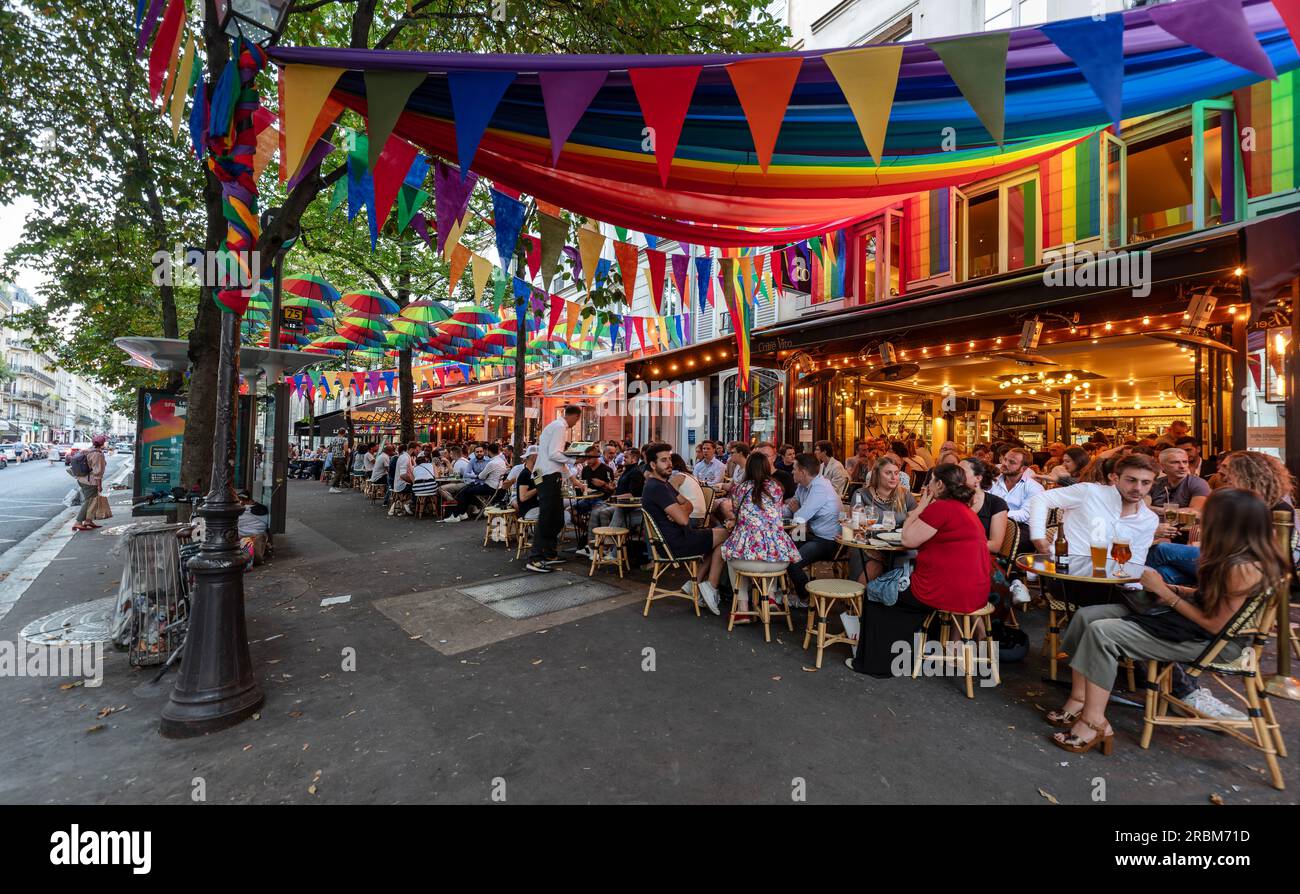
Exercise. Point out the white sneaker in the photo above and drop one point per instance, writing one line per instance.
(1019, 592)
(335, 490)
(1204, 701)
(710, 594)
(585, 551)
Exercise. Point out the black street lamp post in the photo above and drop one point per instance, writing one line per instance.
(216, 687)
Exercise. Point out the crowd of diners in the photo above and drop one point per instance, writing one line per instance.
(776, 508)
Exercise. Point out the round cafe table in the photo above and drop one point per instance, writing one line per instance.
(1075, 576)
(1075, 568)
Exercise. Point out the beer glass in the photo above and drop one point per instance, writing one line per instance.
(887, 520)
(1120, 552)
(1098, 560)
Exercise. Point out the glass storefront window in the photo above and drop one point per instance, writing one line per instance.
(982, 246)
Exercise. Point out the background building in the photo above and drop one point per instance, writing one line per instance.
(41, 403)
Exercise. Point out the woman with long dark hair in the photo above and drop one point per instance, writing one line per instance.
(759, 541)
(951, 573)
(1070, 469)
(1238, 554)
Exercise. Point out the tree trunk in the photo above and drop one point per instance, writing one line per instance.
(205, 338)
(405, 380)
(521, 347)
(205, 357)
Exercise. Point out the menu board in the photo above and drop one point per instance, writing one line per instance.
(160, 432)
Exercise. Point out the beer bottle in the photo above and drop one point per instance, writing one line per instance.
(1062, 549)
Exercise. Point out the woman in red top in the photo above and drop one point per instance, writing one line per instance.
(951, 571)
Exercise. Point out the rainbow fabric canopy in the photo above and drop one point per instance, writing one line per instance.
(724, 150)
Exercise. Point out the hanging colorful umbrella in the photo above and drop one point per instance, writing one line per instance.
(310, 286)
(426, 311)
(499, 336)
(313, 306)
(472, 313)
(333, 343)
(531, 324)
(287, 339)
(369, 301)
(361, 336)
(366, 321)
(411, 327)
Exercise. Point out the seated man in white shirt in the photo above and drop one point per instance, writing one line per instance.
(1016, 485)
(1101, 514)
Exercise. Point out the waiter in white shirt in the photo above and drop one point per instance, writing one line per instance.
(1101, 513)
(547, 473)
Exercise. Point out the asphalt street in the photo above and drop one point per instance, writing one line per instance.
(33, 492)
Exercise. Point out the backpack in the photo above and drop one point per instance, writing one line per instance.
(79, 466)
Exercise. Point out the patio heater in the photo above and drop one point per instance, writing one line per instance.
(216, 687)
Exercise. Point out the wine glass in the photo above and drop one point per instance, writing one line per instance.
(887, 520)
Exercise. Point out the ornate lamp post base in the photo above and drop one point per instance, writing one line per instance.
(216, 687)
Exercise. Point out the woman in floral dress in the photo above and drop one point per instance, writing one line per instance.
(759, 541)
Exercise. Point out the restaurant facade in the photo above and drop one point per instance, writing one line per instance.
(1138, 277)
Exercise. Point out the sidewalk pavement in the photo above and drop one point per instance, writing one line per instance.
(451, 702)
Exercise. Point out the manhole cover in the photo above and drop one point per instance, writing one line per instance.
(89, 622)
(539, 594)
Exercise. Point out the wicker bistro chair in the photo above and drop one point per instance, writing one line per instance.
(523, 535)
(498, 520)
(1006, 555)
(1255, 618)
(762, 592)
(709, 496)
(662, 560)
(964, 624)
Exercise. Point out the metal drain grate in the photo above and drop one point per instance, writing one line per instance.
(536, 594)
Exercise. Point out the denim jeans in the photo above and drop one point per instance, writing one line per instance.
(1176, 562)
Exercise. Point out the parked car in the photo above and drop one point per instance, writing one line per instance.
(12, 452)
(57, 451)
(36, 451)
(126, 448)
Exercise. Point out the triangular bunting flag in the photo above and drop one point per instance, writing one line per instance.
(566, 95)
(532, 254)
(306, 87)
(386, 96)
(868, 78)
(626, 253)
(146, 31)
(657, 261)
(1218, 28)
(681, 278)
(557, 308)
(572, 312)
(182, 86)
(1097, 47)
(164, 47)
(475, 95)
(409, 201)
(389, 170)
(703, 278)
(459, 258)
(481, 272)
(763, 87)
(553, 233)
(978, 66)
(1290, 12)
(453, 238)
(508, 218)
(590, 245)
(450, 199)
(665, 96)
